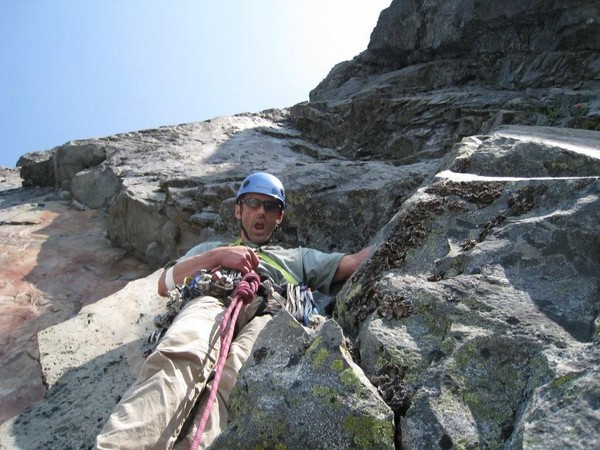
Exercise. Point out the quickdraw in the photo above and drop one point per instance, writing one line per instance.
(300, 303)
(218, 283)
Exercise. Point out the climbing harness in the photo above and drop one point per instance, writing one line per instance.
(216, 283)
(296, 298)
(243, 294)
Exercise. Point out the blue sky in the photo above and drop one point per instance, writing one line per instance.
(76, 69)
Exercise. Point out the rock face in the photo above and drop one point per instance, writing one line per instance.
(161, 205)
(484, 297)
(464, 146)
(53, 260)
(435, 72)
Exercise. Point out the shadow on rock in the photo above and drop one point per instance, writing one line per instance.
(75, 407)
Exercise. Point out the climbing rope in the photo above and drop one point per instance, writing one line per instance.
(243, 294)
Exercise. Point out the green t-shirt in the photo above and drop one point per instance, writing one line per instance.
(307, 266)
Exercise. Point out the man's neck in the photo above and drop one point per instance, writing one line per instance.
(245, 241)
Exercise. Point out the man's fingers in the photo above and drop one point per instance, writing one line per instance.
(241, 258)
(253, 258)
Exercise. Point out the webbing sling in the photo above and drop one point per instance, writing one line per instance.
(267, 260)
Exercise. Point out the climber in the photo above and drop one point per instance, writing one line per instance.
(154, 412)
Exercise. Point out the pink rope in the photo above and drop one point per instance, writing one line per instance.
(242, 295)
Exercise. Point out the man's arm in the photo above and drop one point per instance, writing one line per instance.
(349, 264)
(236, 257)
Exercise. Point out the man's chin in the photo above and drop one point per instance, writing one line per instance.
(260, 239)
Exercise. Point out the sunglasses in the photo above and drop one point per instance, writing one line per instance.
(254, 203)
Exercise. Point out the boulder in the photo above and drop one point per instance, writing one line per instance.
(293, 389)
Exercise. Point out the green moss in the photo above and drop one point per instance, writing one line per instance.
(329, 398)
(475, 305)
(565, 379)
(294, 323)
(382, 361)
(317, 353)
(447, 346)
(321, 391)
(271, 436)
(353, 292)
(337, 365)
(398, 357)
(552, 112)
(320, 357)
(239, 402)
(437, 325)
(315, 344)
(349, 378)
(488, 411)
(368, 432)
(268, 445)
(557, 166)
(490, 383)
(467, 354)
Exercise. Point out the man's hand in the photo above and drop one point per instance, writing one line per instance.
(239, 257)
(236, 257)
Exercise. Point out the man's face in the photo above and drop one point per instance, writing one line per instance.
(257, 223)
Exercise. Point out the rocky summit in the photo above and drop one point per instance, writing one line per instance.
(462, 146)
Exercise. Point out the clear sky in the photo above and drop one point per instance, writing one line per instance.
(76, 69)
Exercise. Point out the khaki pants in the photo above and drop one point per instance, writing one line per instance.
(152, 412)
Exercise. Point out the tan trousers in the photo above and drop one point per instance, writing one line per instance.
(152, 412)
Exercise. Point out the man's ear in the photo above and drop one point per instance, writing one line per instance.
(238, 211)
(280, 218)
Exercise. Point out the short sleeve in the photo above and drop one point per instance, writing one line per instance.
(320, 268)
(201, 248)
